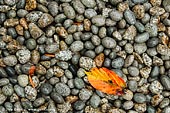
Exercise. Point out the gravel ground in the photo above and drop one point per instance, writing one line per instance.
(62, 38)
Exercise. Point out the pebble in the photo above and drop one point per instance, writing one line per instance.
(77, 46)
(132, 85)
(95, 101)
(23, 55)
(146, 59)
(8, 90)
(85, 94)
(46, 88)
(130, 33)
(165, 80)
(155, 71)
(19, 91)
(163, 50)
(116, 15)
(4, 81)
(133, 71)
(129, 17)
(22, 80)
(89, 3)
(152, 42)
(140, 48)
(118, 62)
(62, 89)
(10, 60)
(128, 105)
(33, 16)
(86, 63)
(139, 98)
(31, 44)
(128, 95)
(151, 29)
(142, 37)
(2, 98)
(99, 59)
(64, 55)
(166, 109)
(30, 93)
(140, 107)
(79, 83)
(38, 102)
(156, 99)
(79, 105)
(53, 8)
(45, 20)
(165, 102)
(89, 13)
(63, 108)
(98, 20)
(57, 97)
(35, 31)
(108, 42)
(156, 87)
(30, 4)
(69, 12)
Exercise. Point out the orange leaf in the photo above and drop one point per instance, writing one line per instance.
(106, 81)
(32, 70)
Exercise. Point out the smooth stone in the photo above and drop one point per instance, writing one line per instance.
(98, 20)
(46, 88)
(4, 81)
(79, 83)
(108, 42)
(77, 46)
(89, 3)
(8, 90)
(118, 62)
(141, 38)
(95, 101)
(69, 12)
(132, 85)
(62, 89)
(22, 80)
(133, 71)
(10, 60)
(2, 98)
(79, 105)
(38, 102)
(19, 90)
(129, 16)
(139, 98)
(165, 80)
(85, 94)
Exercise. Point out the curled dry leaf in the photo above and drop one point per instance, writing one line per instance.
(106, 81)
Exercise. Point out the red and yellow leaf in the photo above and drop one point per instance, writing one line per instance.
(106, 81)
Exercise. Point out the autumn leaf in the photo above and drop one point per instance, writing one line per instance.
(106, 81)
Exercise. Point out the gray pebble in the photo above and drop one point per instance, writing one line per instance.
(151, 29)
(90, 53)
(21, 4)
(116, 15)
(65, 0)
(53, 8)
(8, 106)
(11, 14)
(132, 85)
(89, 13)
(128, 105)
(10, 2)
(112, 55)
(79, 105)
(69, 12)
(85, 94)
(79, 83)
(118, 62)
(95, 101)
(152, 51)
(142, 37)
(8, 90)
(86, 63)
(165, 102)
(2, 98)
(4, 81)
(77, 46)
(129, 48)
(140, 48)
(129, 60)
(33, 16)
(146, 18)
(155, 71)
(10, 60)
(89, 3)
(31, 44)
(46, 88)
(94, 29)
(22, 80)
(22, 12)
(140, 27)
(12, 32)
(165, 80)
(138, 1)
(2, 18)
(19, 90)
(129, 16)
(151, 109)
(133, 71)
(139, 98)
(30, 93)
(38, 102)
(57, 98)
(62, 89)
(107, 62)
(166, 110)
(108, 42)
(60, 18)
(78, 6)
(98, 20)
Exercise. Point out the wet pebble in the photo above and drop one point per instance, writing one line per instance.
(4, 81)
(19, 90)
(108, 42)
(165, 80)
(139, 98)
(62, 89)
(10, 60)
(129, 16)
(85, 94)
(118, 62)
(79, 105)
(8, 90)
(22, 80)
(2, 98)
(79, 83)
(23, 55)
(95, 101)
(46, 88)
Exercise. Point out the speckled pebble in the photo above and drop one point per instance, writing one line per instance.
(95, 101)
(85, 94)
(22, 80)
(46, 88)
(139, 98)
(19, 90)
(8, 90)
(156, 87)
(62, 89)
(30, 93)
(4, 81)
(118, 62)
(2, 98)
(10, 60)
(23, 55)
(165, 80)
(79, 83)
(86, 63)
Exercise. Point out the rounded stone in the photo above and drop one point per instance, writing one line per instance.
(31, 44)
(95, 101)
(23, 55)
(85, 94)
(69, 12)
(79, 105)
(108, 42)
(128, 105)
(118, 62)
(98, 20)
(19, 90)
(139, 98)
(132, 85)
(89, 3)
(152, 42)
(4, 81)
(133, 71)
(141, 38)
(53, 8)
(79, 83)
(10, 60)
(22, 80)
(38, 102)
(129, 16)
(8, 90)
(116, 15)
(62, 89)
(89, 13)
(140, 47)
(77, 46)
(46, 88)
(165, 80)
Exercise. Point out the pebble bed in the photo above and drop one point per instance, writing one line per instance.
(130, 37)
